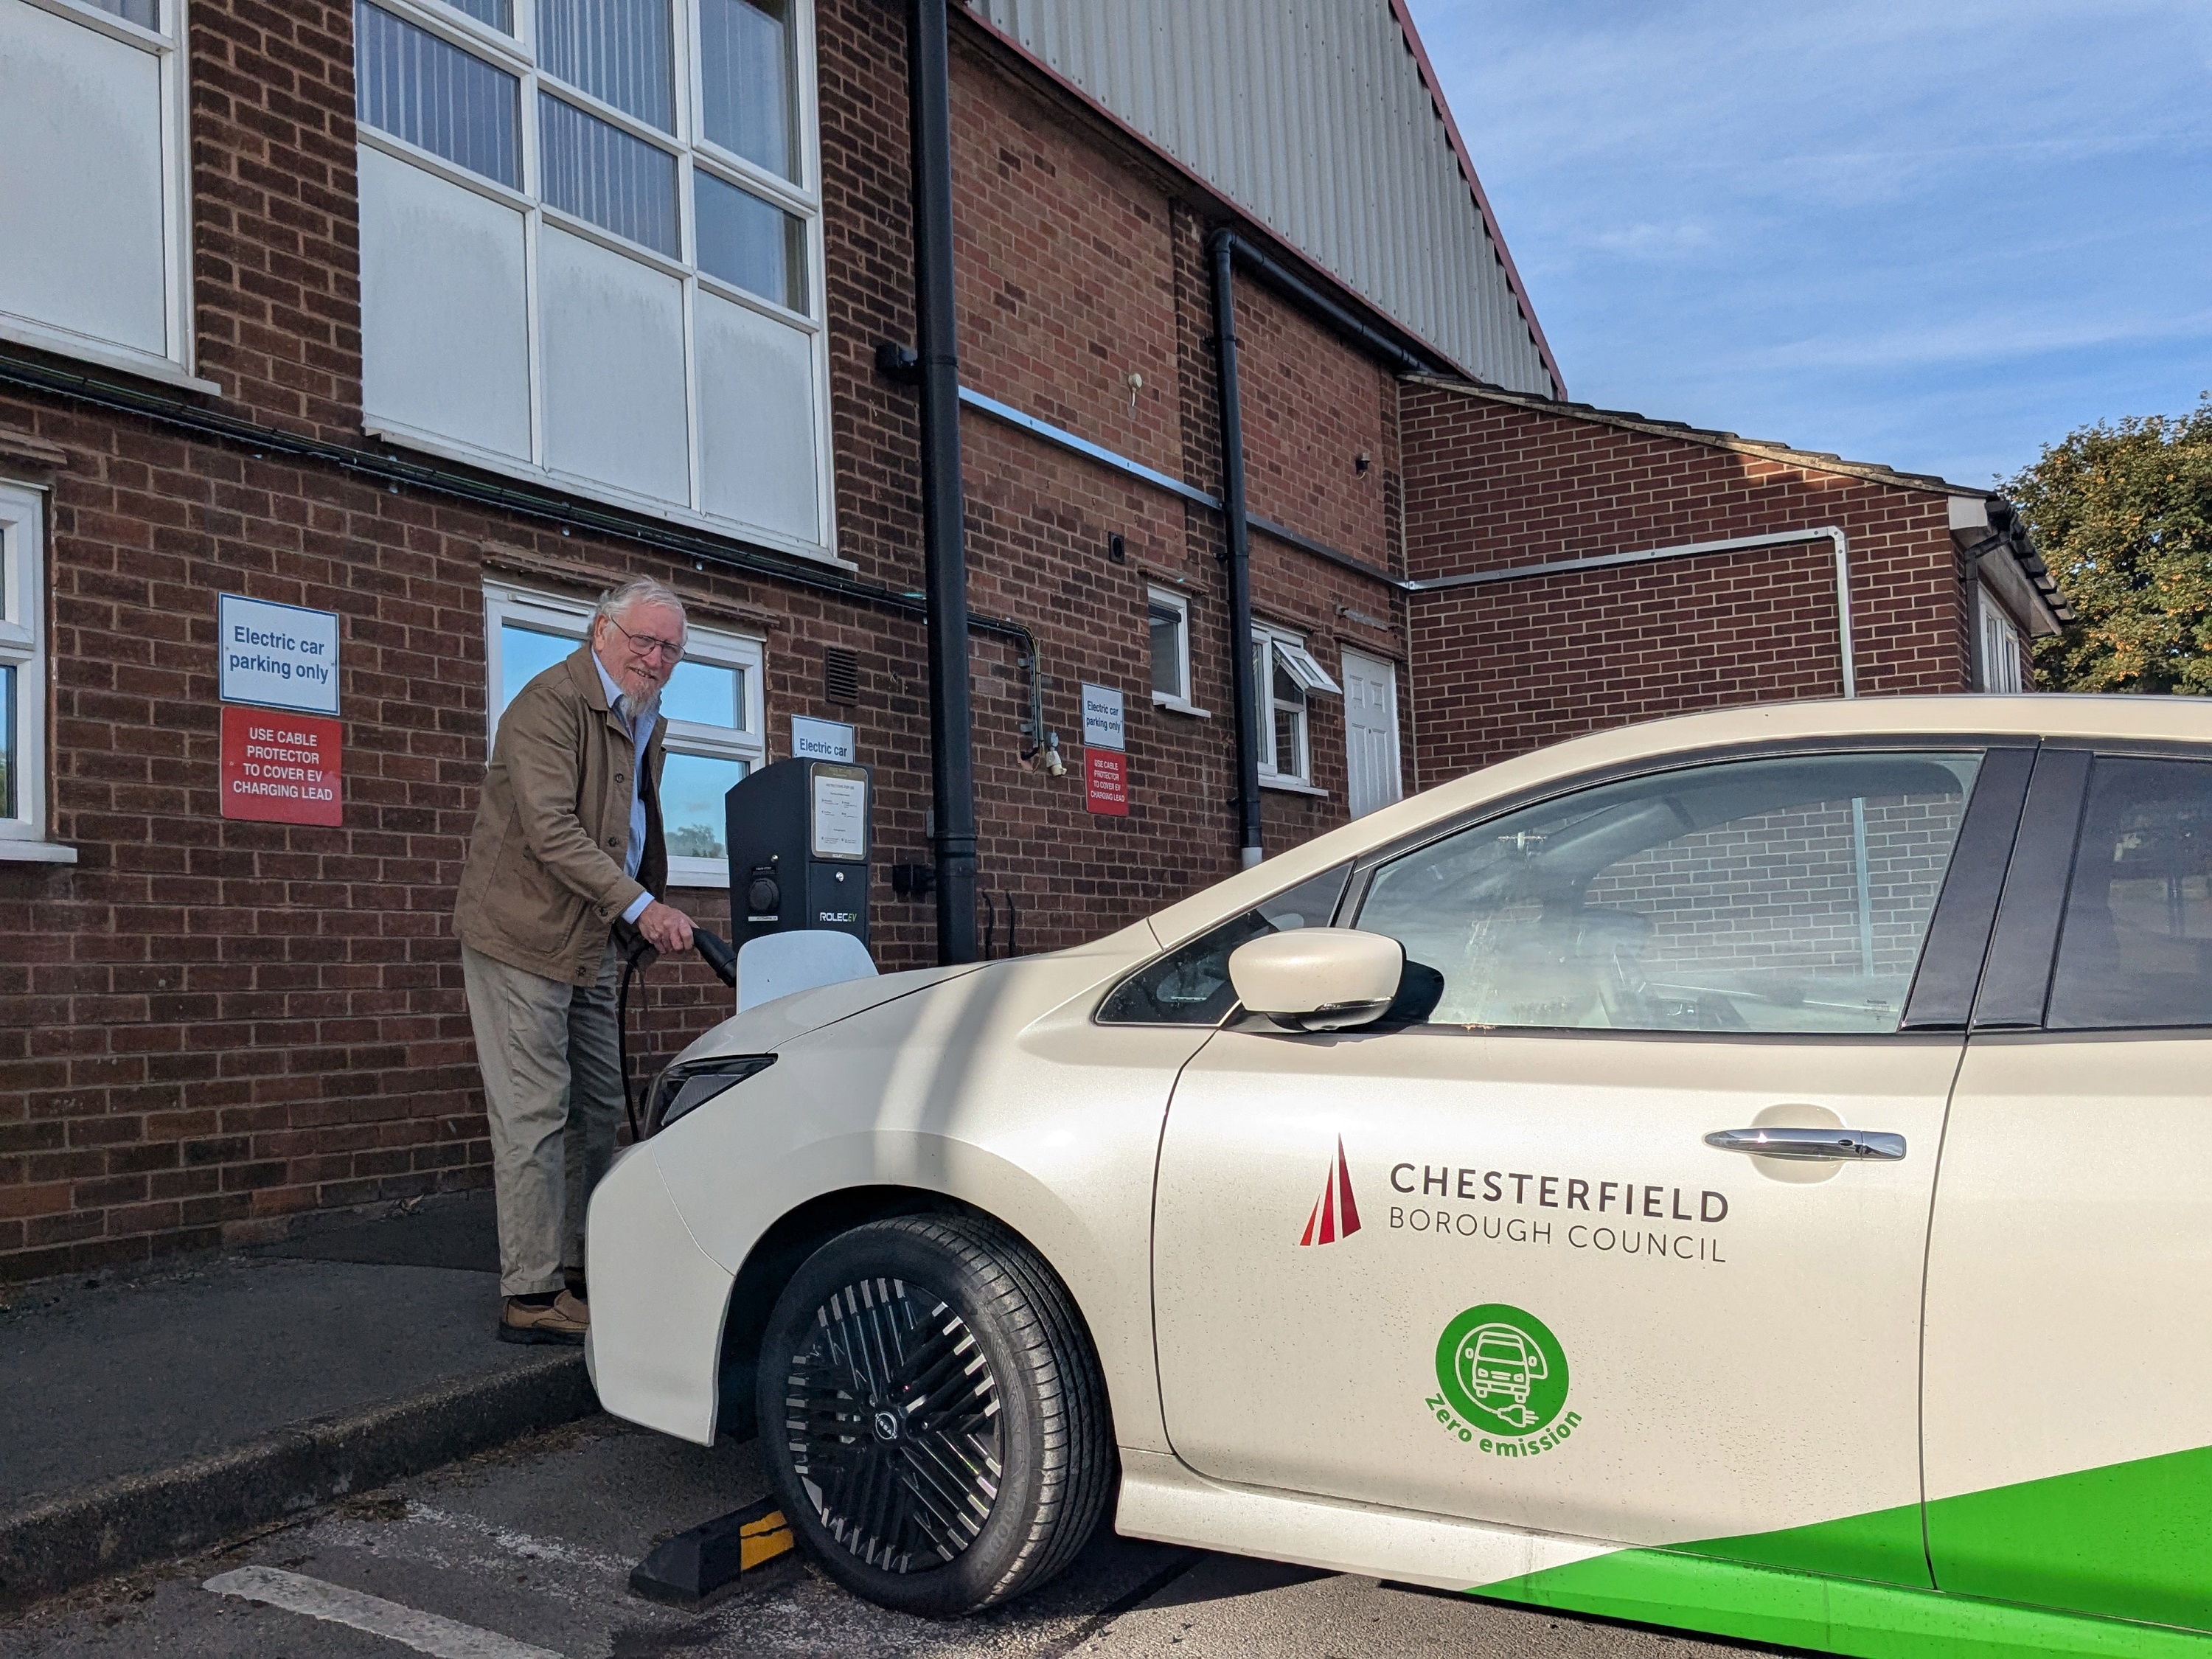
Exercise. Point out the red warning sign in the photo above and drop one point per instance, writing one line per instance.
(1106, 781)
(280, 767)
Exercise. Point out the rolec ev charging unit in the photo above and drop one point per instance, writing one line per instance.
(798, 840)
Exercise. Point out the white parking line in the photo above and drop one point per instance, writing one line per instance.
(525, 1544)
(425, 1633)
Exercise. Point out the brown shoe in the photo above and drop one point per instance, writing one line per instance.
(564, 1322)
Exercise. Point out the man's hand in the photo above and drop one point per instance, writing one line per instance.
(667, 929)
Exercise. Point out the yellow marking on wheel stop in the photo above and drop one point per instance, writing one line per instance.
(763, 1541)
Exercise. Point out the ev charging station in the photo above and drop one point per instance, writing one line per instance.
(800, 835)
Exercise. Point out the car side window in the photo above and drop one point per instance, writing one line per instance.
(2136, 947)
(1189, 986)
(1783, 895)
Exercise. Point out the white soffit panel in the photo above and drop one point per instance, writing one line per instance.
(81, 180)
(1312, 116)
(613, 359)
(444, 324)
(756, 420)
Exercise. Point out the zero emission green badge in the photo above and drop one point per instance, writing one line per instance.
(1501, 1382)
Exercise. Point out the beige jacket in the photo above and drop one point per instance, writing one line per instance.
(544, 881)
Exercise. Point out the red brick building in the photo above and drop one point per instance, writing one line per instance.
(1593, 567)
(434, 318)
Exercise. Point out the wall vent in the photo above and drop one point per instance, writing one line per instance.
(840, 675)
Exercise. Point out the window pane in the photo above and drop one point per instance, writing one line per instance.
(1765, 896)
(416, 87)
(1167, 651)
(598, 172)
(691, 816)
(147, 13)
(1261, 656)
(621, 50)
(747, 241)
(1190, 986)
(8, 749)
(499, 14)
(1288, 723)
(744, 71)
(524, 654)
(706, 692)
(2136, 948)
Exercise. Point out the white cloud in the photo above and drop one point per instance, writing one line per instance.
(1998, 338)
(1654, 241)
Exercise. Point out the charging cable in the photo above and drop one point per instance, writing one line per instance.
(637, 957)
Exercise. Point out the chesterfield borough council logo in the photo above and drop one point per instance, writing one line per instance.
(1335, 1212)
(1502, 1382)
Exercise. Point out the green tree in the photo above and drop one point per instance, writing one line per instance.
(2124, 517)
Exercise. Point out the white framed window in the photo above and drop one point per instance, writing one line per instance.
(24, 678)
(2004, 666)
(713, 706)
(592, 251)
(94, 209)
(1286, 679)
(1168, 616)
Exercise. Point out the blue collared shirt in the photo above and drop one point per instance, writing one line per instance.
(634, 854)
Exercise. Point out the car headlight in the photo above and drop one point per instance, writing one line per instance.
(690, 1084)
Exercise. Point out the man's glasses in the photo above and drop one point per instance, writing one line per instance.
(646, 644)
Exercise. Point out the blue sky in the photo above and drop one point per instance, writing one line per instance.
(1937, 233)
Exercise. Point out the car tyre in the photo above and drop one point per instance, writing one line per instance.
(933, 1418)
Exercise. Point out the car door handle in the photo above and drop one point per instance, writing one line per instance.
(1832, 1145)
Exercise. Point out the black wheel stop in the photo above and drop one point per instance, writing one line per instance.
(695, 1569)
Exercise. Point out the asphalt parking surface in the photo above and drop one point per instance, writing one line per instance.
(525, 1554)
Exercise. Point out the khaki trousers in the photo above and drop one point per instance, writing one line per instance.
(553, 1088)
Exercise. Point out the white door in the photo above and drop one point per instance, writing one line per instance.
(2069, 1420)
(1370, 731)
(1486, 1264)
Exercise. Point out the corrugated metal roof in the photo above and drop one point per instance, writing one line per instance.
(1321, 119)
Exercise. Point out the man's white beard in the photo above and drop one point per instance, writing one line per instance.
(635, 709)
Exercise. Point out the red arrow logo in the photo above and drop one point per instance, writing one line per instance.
(1335, 1212)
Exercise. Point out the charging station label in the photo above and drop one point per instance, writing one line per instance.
(281, 656)
(281, 768)
(1104, 723)
(1106, 781)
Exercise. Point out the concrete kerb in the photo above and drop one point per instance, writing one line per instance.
(61, 1542)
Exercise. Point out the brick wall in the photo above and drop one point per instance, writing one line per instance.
(1503, 669)
(275, 230)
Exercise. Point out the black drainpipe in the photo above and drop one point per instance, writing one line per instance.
(1244, 693)
(1231, 251)
(952, 731)
(1325, 310)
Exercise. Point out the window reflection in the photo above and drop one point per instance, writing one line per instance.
(524, 654)
(691, 791)
(705, 694)
(1789, 894)
(745, 72)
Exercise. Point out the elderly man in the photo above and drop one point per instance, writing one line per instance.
(566, 843)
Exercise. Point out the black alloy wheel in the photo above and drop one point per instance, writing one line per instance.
(898, 1427)
(931, 1415)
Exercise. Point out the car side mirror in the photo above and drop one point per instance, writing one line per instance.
(1318, 979)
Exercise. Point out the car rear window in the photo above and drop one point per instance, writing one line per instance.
(2136, 947)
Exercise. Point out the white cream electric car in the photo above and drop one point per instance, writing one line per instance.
(1750, 1173)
